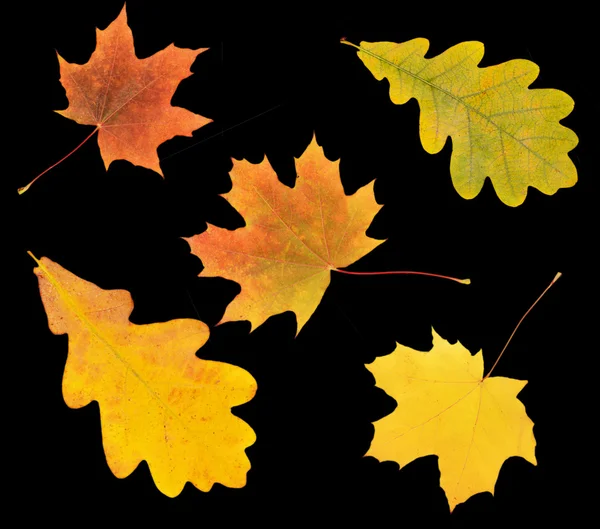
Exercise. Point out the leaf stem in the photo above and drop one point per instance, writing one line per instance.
(521, 321)
(32, 256)
(348, 43)
(25, 188)
(404, 272)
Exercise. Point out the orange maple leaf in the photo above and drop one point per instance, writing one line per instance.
(129, 99)
(292, 240)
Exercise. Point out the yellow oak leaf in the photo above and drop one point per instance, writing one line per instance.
(447, 408)
(292, 240)
(158, 401)
(499, 127)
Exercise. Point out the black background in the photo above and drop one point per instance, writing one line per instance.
(270, 79)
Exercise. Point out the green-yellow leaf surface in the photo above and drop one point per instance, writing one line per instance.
(158, 401)
(292, 240)
(499, 127)
(447, 408)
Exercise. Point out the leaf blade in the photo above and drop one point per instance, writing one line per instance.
(446, 408)
(291, 237)
(158, 401)
(500, 129)
(127, 98)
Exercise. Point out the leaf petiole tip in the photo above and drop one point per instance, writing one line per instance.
(347, 42)
(25, 188)
(33, 257)
(521, 321)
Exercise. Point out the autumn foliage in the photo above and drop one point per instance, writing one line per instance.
(446, 407)
(160, 402)
(293, 238)
(500, 129)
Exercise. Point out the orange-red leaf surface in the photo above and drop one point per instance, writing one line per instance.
(127, 98)
(292, 240)
(158, 401)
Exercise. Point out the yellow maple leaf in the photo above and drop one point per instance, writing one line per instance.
(499, 127)
(292, 240)
(447, 408)
(158, 401)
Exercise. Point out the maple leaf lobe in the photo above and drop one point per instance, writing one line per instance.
(446, 408)
(292, 240)
(158, 402)
(127, 98)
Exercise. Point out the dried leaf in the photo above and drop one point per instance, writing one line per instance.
(127, 98)
(158, 401)
(446, 408)
(499, 127)
(292, 240)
